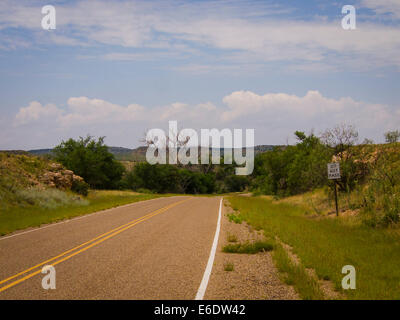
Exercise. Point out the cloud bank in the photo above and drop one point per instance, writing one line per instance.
(232, 28)
(274, 116)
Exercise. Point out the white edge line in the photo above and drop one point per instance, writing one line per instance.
(80, 217)
(207, 273)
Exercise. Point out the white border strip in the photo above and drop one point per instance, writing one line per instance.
(207, 272)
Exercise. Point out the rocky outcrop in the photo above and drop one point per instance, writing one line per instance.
(58, 177)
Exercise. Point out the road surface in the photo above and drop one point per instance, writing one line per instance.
(156, 249)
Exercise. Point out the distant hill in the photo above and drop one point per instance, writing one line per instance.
(40, 152)
(138, 154)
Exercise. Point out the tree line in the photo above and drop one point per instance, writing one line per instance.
(91, 159)
(286, 170)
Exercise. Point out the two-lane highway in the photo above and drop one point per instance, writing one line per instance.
(156, 249)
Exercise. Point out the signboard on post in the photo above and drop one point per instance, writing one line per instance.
(333, 170)
(334, 174)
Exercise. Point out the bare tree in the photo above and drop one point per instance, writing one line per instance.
(392, 136)
(173, 141)
(341, 138)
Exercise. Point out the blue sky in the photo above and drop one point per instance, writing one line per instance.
(119, 68)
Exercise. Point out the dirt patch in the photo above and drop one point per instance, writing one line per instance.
(244, 276)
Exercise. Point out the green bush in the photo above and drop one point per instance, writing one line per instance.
(80, 187)
(91, 160)
(381, 197)
(235, 218)
(167, 178)
(292, 170)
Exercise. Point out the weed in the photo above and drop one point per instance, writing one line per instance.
(228, 266)
(247, 247)
(232, 238)
(49, 198)
(235, 218)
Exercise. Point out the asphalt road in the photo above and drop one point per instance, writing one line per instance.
(155, 249)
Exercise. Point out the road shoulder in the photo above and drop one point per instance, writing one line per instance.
(254, 276)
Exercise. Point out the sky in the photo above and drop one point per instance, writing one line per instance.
(120, 68)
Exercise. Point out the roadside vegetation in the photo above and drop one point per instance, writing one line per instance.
(229, 266)
(248, 247)
(91, 159)
(370, 174)
(37, 190)
(53, 205)
(326, 245)
(296, 275)
(293, 203)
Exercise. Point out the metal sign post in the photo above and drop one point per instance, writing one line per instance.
(334, 174)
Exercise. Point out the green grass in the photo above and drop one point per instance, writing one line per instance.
(229, 266)
(235, 218)
(296, 275)
(17, 218)
(248, 247)
(328, 244)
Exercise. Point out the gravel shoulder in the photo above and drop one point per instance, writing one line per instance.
(254, 276)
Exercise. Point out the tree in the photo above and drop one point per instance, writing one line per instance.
(307, 169)
(392, 136)
(91, 160)
(342, 140)
(292, 169)
(166, 178)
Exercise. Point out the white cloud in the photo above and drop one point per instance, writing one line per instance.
(383, 6)
(310, 111)
(37, 112)
(231, 27)
(274, 116)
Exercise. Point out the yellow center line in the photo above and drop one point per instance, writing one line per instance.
(77, 247)
(106, 236)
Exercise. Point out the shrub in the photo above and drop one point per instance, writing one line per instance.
(168, 179)
(143, 190)
(250, 248)
(91, 160)
(235, 218)
(292, 169)
(48, 198)
(80, 187)
(229, 266)
(381, 198)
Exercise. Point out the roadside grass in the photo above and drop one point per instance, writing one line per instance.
(232, 238)
(296, 275)
(63, 206)
(328, 244)
(229, 266)
(248, 247)
(314, 202)
(236, 218)
(321, 202)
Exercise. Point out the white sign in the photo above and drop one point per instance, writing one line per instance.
(333, 170)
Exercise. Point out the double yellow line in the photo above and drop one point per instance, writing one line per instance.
(83, 247)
